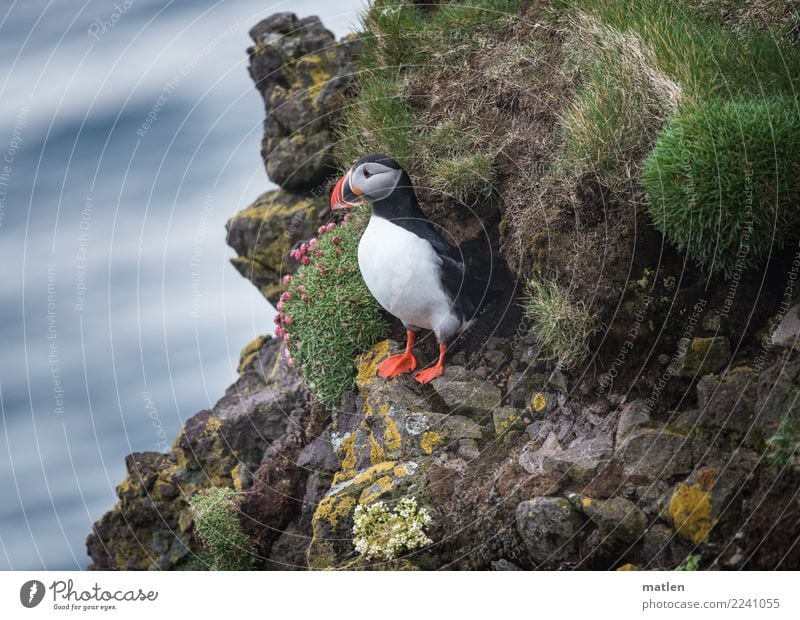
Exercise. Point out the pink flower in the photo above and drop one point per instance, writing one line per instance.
(287, 321)
(312, 245)
(286, 295)
(290, 362)
(287, 280)
(330, 227)
(305, 260)
(321, 230)
(304, 297)
(336, 240)
(301, 289)
(338, 251)
(279, 305)
(346, 217)
(279, 333)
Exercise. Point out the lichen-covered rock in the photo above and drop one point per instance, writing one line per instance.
(696, 505)
(619, 522)
(726, 402)
(302, 75)
(632, 416)
(151, 525)
(778, 396)
(466, 394)
(548, 527)
(653, 453)
(263, 235)
(580, 461)
(702, 356)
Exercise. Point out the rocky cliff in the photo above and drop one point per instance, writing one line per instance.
(656, 451)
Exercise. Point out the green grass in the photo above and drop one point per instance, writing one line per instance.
(723, 181)
(216, 523)
(562, 326)
(466, 178)
(327, 315)
(399, 43)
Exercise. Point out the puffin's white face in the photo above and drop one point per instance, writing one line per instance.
(365, 182)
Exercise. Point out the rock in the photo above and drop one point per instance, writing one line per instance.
(303, 77)
(264, 233)
(635, 414)
(548, 527)
(538, 431)
(702, 356)
(619, 522)
(532, 458)
(662, 548)
(465, 394)
(696, 505)
(506, 419)
(468, 449)
(787, 334)
(583, 459)
(655, 453)
(542, 402)
(728, 401)
(503, 564)
(778, 396)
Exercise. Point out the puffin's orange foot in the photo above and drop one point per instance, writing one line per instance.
(396, 365)
(429, 374)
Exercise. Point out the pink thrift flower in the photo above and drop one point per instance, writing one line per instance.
(287, 321)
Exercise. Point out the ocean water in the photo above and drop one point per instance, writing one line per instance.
(130, 133)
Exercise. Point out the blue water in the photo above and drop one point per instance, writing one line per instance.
(121, 315)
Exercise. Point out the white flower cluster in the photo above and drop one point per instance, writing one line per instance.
(380, 532)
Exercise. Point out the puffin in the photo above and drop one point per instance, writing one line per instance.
(408, 267)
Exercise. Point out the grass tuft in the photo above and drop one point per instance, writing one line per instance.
(723, 181)
(466, 178)
(784, 445)
(562, 326)
(216, 522)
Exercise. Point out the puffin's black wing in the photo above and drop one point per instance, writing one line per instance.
(462, 287)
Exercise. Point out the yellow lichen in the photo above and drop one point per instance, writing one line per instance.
(539, 401)
(331, 509)
(370, 474)
(628, 566)
(376, 452)
(375, 490)
(249, 353)
(430, 441)
(586, 501)
(367, 363)
(400, 471)
(691, 512)
(348, 452)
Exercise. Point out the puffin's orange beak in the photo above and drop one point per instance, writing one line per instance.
(344, 196)
(336, 196)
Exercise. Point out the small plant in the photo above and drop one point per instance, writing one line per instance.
(562, 327)
(216, 522)
(784, 445)
(327, 316)
(722, 181)
(384, 533)
(690, 562)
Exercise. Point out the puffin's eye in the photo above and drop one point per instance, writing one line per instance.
(367, 173)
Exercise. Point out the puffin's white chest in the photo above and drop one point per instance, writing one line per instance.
(403, 273)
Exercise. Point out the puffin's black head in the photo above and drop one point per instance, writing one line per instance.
(372, 178)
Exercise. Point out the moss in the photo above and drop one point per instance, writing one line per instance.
(691, 512)
(430, 441)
